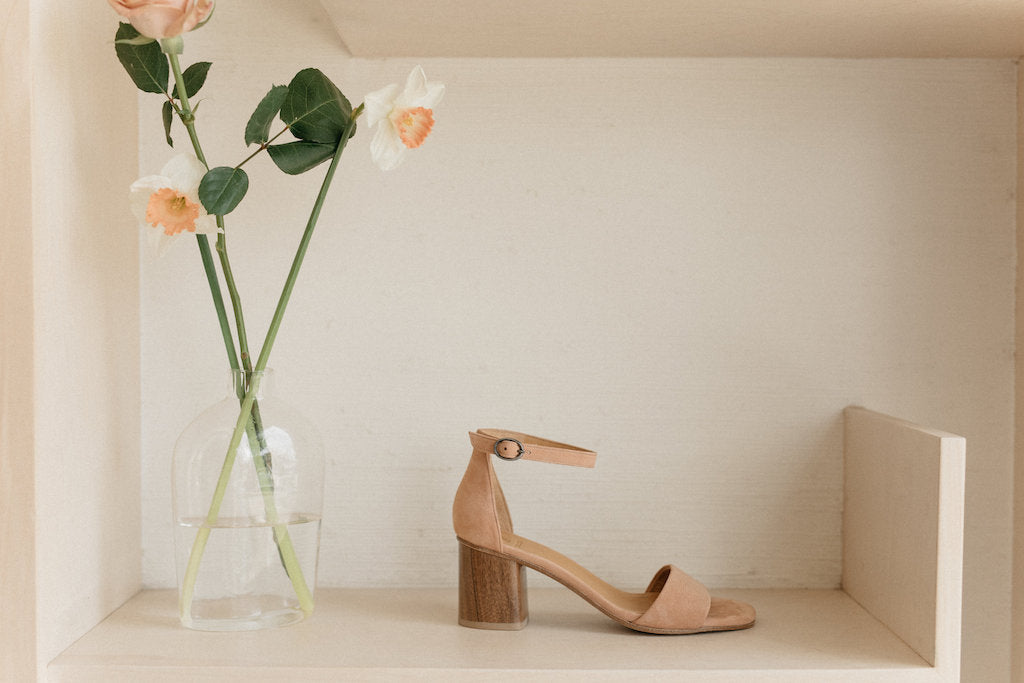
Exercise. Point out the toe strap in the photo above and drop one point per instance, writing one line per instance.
(682, 602)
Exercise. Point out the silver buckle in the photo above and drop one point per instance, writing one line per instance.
(517, 455)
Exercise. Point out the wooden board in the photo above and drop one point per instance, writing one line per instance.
(903, 530)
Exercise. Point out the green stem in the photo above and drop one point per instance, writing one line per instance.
(188, 118)
(198, 547)
(261, 148)
(218, 299)
(253, 423)
(236, 299)
(204, 244)
(255, 432)
(300, 253)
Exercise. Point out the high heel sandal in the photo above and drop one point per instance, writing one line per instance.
(493, 560)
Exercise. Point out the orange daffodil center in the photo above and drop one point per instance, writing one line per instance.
(171, 210)
(403, 117)
(413, 125)
(167, 205)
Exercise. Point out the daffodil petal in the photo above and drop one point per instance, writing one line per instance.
(386, 148)
(158, 241)
(141, 189)
(419, 92)
(206, 225)
(379, 104)
(185, 172)
(416, 84)
(434, 93)
(150, 183)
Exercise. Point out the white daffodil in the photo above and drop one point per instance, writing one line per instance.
(403, 117)
(168, 205)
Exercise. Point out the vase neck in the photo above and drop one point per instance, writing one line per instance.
(240, 381)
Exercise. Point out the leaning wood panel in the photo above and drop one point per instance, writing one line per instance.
(903, 531)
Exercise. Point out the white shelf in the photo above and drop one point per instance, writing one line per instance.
(412, 633)
(903, 557)
(81, 536)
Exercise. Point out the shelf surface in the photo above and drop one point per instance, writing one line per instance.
(679, 28)
(377, 633)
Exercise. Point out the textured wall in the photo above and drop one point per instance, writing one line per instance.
(690, 266)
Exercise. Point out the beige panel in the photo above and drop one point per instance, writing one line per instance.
(679, 28)
(1018, 545)
(86, 322)
(903, 530)
(17, 490)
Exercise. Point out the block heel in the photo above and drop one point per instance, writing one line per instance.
(492, 590)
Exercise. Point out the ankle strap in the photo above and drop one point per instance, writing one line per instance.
(513, 446)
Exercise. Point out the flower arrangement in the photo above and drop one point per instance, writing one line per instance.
(191, 197)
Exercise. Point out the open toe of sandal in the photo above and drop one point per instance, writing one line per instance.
(680, 604)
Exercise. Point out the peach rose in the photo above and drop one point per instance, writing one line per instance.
(161, 19)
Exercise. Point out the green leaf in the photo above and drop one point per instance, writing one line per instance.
(194, 77)
(222, 188)
(314, 109)
(258, 129)
(145, 62)
(168, 116)
(298, 157)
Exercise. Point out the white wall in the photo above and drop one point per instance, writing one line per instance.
(690, 266)
(84, 267)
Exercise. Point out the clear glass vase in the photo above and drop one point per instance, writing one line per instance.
(247, 522)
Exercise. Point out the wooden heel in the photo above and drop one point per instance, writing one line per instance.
(492, 591)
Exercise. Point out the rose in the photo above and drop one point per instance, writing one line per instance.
(160, 19)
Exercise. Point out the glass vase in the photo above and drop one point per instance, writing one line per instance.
(247, 520)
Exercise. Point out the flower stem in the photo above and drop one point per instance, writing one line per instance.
(261, 148)
(188, 119)
(236, 299)
(218, 299)
(253, 423)
(199, 545)
(300, 252)
(255, 432)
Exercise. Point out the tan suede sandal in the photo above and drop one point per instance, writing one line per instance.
(493, 560)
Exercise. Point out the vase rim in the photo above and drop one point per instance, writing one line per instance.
(239, 381)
